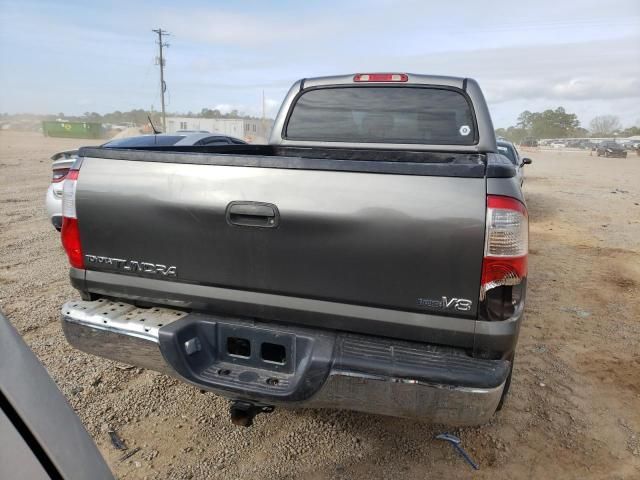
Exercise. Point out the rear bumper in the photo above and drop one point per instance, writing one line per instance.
(320, 369)
(616, 154)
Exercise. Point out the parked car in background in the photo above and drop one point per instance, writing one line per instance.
(558, 144)
(529, 142)
(610, 148)
(587, 144)
(510, 151)
(175, 139)
(62, 161)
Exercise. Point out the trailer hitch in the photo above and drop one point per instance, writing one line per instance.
(243, 413)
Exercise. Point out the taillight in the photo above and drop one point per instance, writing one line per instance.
(70, 231)
(59, 175)
(506, 244)
(381, 77)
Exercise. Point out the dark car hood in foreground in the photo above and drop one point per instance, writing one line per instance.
(41, 416)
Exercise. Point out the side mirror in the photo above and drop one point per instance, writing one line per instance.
(527, 161)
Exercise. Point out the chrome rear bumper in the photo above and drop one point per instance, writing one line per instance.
(122, 332)
(118, 331)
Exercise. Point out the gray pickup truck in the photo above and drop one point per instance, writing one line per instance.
(372, 257)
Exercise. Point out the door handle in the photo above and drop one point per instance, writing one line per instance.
(253, 214)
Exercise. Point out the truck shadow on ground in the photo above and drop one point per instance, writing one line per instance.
(540, 207)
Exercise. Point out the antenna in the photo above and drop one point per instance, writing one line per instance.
(152, 126)
(262, 123)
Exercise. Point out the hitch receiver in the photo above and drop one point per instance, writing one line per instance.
(242, 413)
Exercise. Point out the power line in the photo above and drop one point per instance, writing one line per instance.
(161, 62)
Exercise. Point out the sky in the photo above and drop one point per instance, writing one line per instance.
(79, 56)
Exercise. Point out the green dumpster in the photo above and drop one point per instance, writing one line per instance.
(72, 129)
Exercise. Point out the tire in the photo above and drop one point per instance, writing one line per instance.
(507, 385)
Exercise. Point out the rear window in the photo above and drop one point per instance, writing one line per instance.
(145, 141)
(508, 152)
(214, 141)
(383, 115)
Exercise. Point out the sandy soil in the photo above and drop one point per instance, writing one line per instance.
(574, 408)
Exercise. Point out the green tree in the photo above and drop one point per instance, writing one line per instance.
(513, 134)
(525, 120)
(556, 123)
(630, 132)
(553, 124)
(581, 132)
(208, 113)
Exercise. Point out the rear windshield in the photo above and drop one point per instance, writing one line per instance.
(383, 115)
(145, 141)
(508, 152)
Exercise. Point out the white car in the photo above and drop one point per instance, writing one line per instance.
(63, 161)
(558, 144)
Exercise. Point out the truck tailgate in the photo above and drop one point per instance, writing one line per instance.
(395, 241)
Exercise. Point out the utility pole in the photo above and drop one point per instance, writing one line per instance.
(160, 61)
(262, 133)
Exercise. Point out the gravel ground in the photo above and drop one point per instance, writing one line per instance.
(574, 408)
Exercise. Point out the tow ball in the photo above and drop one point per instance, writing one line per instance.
(243, 413)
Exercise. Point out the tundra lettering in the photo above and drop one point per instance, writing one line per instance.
(133, 265)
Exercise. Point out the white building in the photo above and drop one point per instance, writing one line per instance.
(249, 130)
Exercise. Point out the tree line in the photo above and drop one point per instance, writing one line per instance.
(135, 116)
(139, 116)
(559, 123)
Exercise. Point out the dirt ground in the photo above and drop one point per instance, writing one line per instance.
(574, 407)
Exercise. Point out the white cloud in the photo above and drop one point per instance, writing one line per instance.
(536, 69)
(584, 58)
(271, 108)
(589, 88)
(226, 108)
(235, 29)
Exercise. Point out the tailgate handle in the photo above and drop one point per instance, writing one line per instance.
(253, 214)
